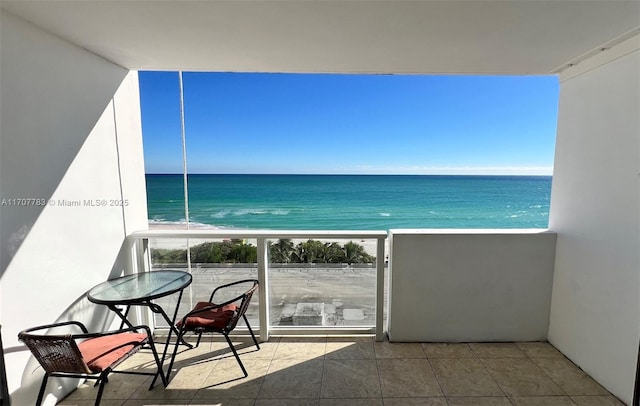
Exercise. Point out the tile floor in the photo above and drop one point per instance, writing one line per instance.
(358, 372)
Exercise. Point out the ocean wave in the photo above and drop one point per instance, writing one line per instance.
(182, 223)
(249, 212)
(156, 220)
(245, 212)
(258, 212)
(221, 214)
(384, 214)
(280, 212)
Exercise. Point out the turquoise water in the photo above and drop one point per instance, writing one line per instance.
(351, 202)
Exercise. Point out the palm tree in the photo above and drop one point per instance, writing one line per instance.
(280, 252)
(335, 253)
(355, 253)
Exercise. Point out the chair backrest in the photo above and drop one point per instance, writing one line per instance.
(56, 353)
(244, 304)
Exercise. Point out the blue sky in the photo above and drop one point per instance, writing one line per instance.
(350, 124)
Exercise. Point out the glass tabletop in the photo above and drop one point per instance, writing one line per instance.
(139, 287)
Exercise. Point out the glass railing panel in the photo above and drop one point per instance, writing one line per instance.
(322, 283)
(212, 263)
(169, 253)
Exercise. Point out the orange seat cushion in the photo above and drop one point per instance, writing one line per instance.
(93, 347)
(217, 318)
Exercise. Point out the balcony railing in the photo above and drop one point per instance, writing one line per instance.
(294, 298)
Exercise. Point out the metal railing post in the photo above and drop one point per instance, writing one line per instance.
(380, 260)
(141, 263)
(263, 260)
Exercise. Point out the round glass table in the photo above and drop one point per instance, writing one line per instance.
(139, 290)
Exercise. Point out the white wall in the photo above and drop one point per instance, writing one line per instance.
(470, 285)
(70, 131)
(595, 312)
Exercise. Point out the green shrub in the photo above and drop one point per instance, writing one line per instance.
(283, 251)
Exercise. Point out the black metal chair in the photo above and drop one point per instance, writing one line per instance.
(221, 317)
(87, 355)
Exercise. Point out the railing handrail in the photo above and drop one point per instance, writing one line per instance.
(224, 233)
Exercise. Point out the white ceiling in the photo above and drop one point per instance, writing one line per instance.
(393, 36)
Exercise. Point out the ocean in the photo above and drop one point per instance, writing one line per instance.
(351, 202)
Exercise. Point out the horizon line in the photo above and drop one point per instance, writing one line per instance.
(352, 174)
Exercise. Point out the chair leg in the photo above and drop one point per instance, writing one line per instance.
(173, 356)
(198, 342)
(251, 331)
(42, 388)
(156, 357)
(235, 354)
(103, 381)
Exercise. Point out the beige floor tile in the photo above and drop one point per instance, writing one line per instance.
(464, 377)
(267, 349)
(92, 402)
(608, 400)
(447, 350)
(543, 401)
(285, 402)
(351, 402)
(386, 349)
(496, 350)
(160, 393)
(520, 377)
(350, 348)
(293, 378)
(539, 349)
(207, 351)
(355, 372)
(209, 342)
(350, 378)
(569, 377)
(478, 401)
(142, 359)
(224, 402)
(227, 382)
(191, 376)
(84, 391)
(407, 378)
(76, 402)
(229, 370)
(122, 386)
(155, 402)
(415, 402)
(300, 348)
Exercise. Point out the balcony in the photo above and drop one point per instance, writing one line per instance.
(438, 353)
(319, 362)
(80, 144)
